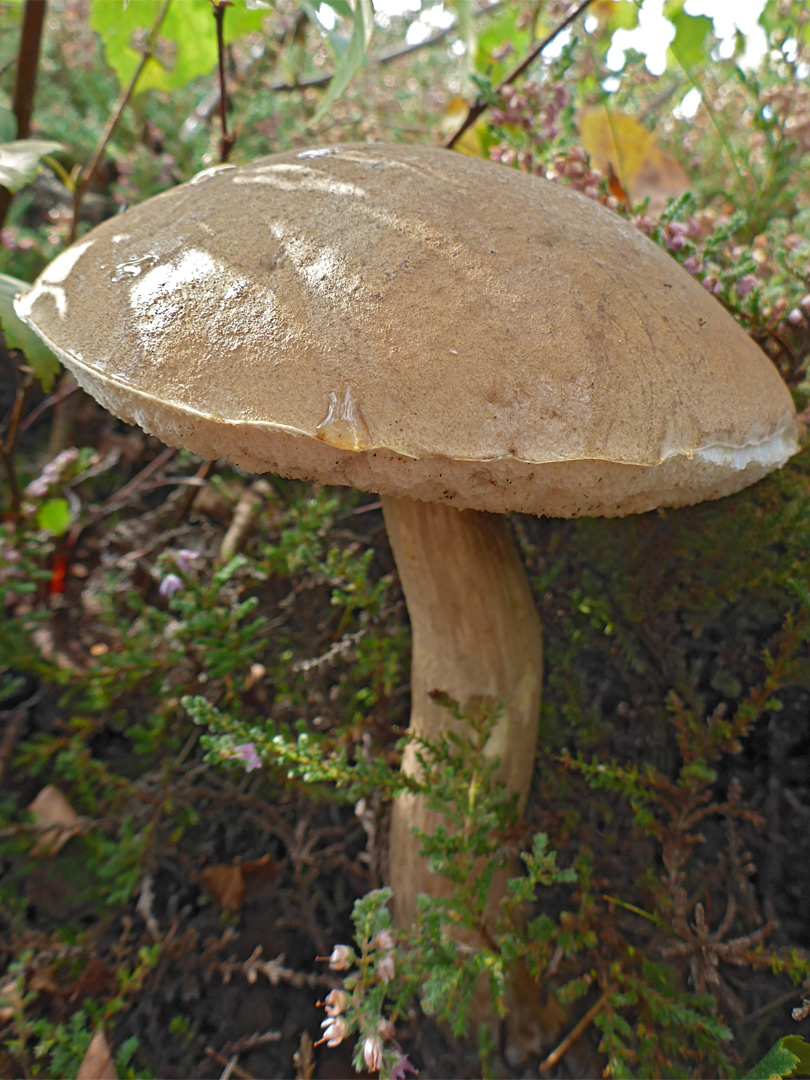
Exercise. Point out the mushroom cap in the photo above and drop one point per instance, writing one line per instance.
(416, 322)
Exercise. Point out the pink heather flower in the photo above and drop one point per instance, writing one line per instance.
(247, 752)
(384, 940)
(401, 1068)
(385, 1028)
(372, 1053)
(341, 958)
(674, 235)
(184, 557)
(335, 1030)
(170, 585)
(38, 487)
(385, 968)
(747, 284)
(336, 1002)
(711, 283)
(693, 265)
(643, 223)
(795, 317)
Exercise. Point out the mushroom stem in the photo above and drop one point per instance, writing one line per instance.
(476, 635)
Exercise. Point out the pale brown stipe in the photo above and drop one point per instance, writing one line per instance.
(449, 333)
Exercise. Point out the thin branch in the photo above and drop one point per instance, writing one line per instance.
(8, 444)
(25, 79)
(226, 140)
(86, 174)
(573, 1036)
(386, 58)
(480, 107)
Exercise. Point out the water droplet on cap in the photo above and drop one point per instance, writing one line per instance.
(206, 174)
(131, 268)
(344, 425)
(321, 151)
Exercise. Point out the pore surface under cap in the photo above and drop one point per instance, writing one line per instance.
(417, 322)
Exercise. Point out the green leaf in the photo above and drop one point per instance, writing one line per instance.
(504, 27)
(689, 43)
(795, 1044)
(19, 160)
(790, 1057)
(623, 16)
(353, 56)
(54, 516)
(22, 337)
(186, 42)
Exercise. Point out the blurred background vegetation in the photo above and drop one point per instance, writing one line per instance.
(203, 676)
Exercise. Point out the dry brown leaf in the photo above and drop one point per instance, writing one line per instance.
(226, 883)
(11, 999)
(619, 142)
(42, 981)
(98, 1063)
(51, 807)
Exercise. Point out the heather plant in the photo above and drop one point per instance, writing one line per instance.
(193, 707)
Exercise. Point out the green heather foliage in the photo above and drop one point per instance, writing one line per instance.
(199, 711)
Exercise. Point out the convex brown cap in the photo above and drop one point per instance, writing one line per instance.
(415, 322)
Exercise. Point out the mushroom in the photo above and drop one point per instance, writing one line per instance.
(462, 338)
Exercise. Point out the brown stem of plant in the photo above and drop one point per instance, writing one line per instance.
(25, 79)
(203, 474)
(7, 447)
(226, 140)
(86, 174)
(480, 106)
(573, 1036)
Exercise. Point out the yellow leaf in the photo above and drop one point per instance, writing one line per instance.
(619, 142)
(470, 142)
(602, 9)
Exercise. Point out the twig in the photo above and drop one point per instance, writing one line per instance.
(481, 106)
(386, 58)
(7, 446)
(64, 390)
(184, 503)
(25, 79)
(573, 1036)
(87, 173)
(226, 140)
(14, 724)
(244, 516)
(165, 455)
(231, 1068)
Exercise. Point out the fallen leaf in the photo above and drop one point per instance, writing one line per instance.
(10, 999)
(98, 1063)
(97, 980)
(618, 142)
(51, 807)
(42, 981)
(228, 883)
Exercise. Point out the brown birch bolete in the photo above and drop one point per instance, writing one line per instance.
(462, 338)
